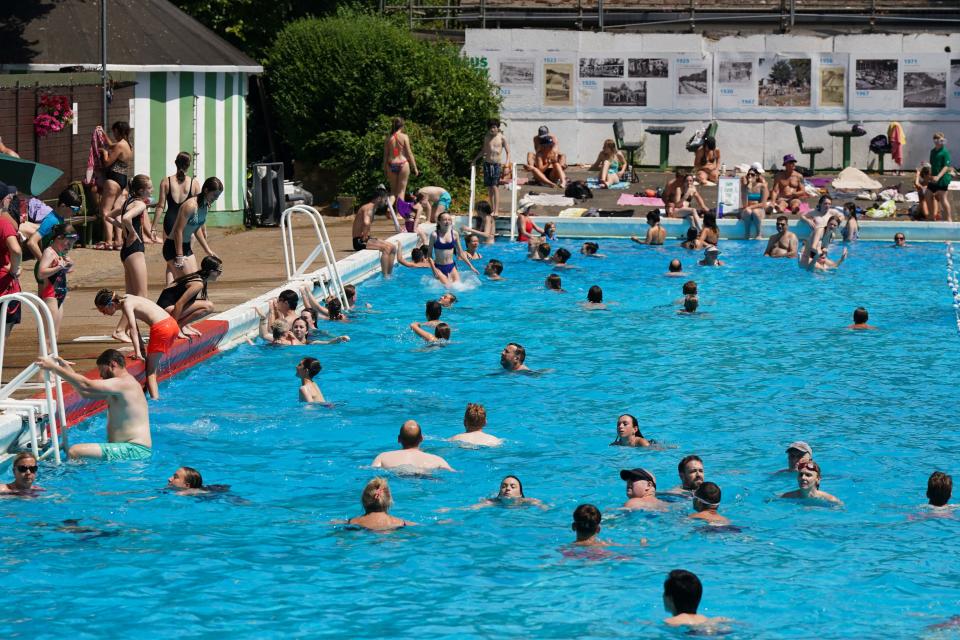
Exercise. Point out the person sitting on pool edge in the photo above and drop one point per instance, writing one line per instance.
(641, 490)
(24, 476)
(808, 481)
(474, 420)
(307, 369)
(939, 489)
(628, 433)
(410, 456)
(860, 317)
(377, 501)
(128, 419)
(586, 523)
(682, 592)
(706, 500)
(512, 357)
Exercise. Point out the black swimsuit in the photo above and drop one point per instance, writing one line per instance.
(136, 245)
(173, 207)
(170, 295)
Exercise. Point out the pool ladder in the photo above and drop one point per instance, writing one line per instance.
(35, 410)
(330, 282)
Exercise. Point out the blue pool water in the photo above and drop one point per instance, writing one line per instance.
(768, 363)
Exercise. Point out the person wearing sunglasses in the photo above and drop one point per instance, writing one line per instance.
(68, 205)
(52, 269)
(24, 475)
(782, 244)
(808, 481)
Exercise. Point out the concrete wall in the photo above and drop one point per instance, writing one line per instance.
(741, 140)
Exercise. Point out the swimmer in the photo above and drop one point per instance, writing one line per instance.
(706, 500)
(594, 299)
(512, 357)
(797, 452)
(641, 490)
(187, 479)
(899, 240)
(447, 300)
(310, 316)
(682, 592)
(690, 470)
(939, 488)
(276, 333)
(410, 456)
(553, 283)
(24, 476)
(539, 251)
(586, 523)
(417, 259)
(675, 269)
(433, 311)
(589, 249)
(860, 317)
(560, 257)
(472, 248)
(782, 244)
(307, 370)
(284, 307)
(493, 270)
(656, 234)
(444, 243)
(824, 263)
(711, 257)
(474, 420)
(628, 433)
(690, 305)
(441, 331)
(808, 481)
(511, 494)
(377, 500)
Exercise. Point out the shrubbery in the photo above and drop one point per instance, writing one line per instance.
(337, 82)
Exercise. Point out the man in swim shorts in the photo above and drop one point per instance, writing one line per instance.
(362, 223)
(782, 244)
(128, 419)
(788, 186)
(512, 357)
(494, 146)
(410, 456)
(641, 491)
(164, 329)
(690, 470)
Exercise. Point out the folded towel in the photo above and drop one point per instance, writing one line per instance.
(572, 212)
(593, 183)
(546, 200)
(627, 199)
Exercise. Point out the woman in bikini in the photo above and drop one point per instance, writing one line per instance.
(398, 160)
(131, 219)
(611, 163)
(186, 297)
(445, 244)
(117, 157)
(706, 161)
(756, 196)
(191, 218)
(710, 233)
(377, 500)
(174, 191)
(52, 270)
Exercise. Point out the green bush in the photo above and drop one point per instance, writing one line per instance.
(336, 83)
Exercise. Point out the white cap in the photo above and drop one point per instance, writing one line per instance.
(757, 166)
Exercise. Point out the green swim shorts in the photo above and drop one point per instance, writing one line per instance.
(117, 451)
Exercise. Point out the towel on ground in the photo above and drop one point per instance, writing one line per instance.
(852, 179)
(572, 212)
(627, 199)
(546, 200)
(593, 183)
(898, 140)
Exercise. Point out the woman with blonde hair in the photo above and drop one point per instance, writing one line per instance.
(376, 500)
(611, 163)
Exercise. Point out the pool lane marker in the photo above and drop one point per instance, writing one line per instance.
(953, 284)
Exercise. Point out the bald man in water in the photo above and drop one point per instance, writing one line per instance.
(410, 456)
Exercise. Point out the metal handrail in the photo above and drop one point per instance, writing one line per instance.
(332, 284)
(47, 336)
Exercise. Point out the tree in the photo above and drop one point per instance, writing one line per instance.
(781, 73)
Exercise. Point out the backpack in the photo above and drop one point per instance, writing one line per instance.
(879, 144)
(578, 190)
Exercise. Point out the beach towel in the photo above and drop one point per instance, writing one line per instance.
(886, 210)
(546, 200)
(898, 140)
(572, 212)
(852, 179)
(94, 163)
(593, 183)
(627, 199)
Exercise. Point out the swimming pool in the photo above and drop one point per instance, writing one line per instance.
(767, 363)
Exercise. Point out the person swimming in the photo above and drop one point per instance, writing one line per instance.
(628, 433)
(510, 495)
(377, 501)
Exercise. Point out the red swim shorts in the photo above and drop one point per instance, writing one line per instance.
(162, 335)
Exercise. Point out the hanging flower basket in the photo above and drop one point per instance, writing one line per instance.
(53, 114)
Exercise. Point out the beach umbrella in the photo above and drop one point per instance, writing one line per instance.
(27, 176)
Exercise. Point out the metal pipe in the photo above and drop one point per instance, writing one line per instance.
(600, 14)
(103, 59)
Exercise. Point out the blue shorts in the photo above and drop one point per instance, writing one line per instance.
(491, 173)
(445, 200)
(118, 451)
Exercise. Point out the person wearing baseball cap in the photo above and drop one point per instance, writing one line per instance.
(538, 140)
(788, 186)
(641, 490)
(10, 253)
(797, 452)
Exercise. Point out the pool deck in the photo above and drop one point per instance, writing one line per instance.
(253, 273)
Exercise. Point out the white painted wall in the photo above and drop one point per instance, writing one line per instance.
(740, 141)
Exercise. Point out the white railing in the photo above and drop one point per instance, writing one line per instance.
(513, 199)
(331, 284)
(52, 403)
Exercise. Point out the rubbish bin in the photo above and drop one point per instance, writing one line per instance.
(268, 202)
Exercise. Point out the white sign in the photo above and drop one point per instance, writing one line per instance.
(728, 192)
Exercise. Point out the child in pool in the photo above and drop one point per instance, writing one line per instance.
(307, 369)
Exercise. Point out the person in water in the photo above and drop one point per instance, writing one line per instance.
(808, 481)
(586, 524)
(641, 490)
(410, 456)
(24, 476)
(682, 592)
(188, 480)
(628, 433)
(377, 501)
(441, 331)
(510, 494)
(706, 501)
(444, 243)
(797, 452)
(860, 317)
(690, 470)
(512, 357)
(939, 489)
(474, 420)
(307, 370)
